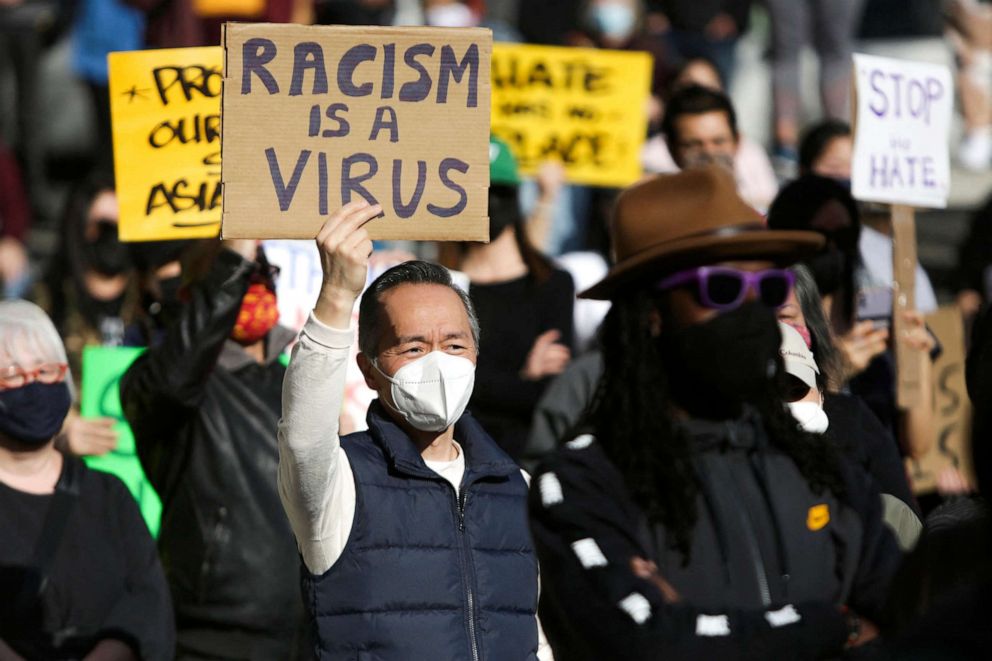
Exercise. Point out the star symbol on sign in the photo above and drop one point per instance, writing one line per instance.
(134, 93)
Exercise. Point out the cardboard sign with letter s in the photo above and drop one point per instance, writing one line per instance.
(318, 116)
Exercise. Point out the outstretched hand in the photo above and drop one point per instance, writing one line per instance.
(345, 248)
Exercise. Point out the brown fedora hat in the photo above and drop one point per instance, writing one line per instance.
(692, 218)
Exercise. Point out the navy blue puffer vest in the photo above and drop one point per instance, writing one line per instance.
(428, 575)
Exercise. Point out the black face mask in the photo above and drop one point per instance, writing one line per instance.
(504, 210)
(715, 367)
(33, 413)
(828, 269)
(167, 307)
(106, 254)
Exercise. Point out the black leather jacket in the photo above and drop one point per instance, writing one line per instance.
(204, 416)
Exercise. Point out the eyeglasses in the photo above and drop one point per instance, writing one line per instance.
(722, 288)
(15, 377)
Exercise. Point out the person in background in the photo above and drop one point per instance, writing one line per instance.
(15, 220)
(79, 575)
(691, 517)
(850, 424)
(414, 534)
(862, 336)
(101, 27)
(88, 282)
(752, 169)
(185, 23)
(702, 29)
(89, 290)
(204, 403)
(826, 149)
(158, 266)
(829, 27)
(970, 32)
(525, 308)
(974, 271)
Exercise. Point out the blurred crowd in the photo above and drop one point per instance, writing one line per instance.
(668, 454)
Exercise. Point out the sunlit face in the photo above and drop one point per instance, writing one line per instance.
(418, 319)
(835, 161)
(704, 138)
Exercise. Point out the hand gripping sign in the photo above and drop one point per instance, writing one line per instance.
(318, 116)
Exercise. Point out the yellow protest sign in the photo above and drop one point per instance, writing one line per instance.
(165, 110)
(584, 107)
(318, 116)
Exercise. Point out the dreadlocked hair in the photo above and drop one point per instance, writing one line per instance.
(632, 417)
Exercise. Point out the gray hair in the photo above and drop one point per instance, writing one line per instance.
(27, 335)
(407, 273)
(827, 355)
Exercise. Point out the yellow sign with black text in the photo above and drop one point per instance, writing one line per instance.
(584, 107)
(165, 110)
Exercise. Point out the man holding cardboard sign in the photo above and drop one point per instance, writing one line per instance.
(414, 534)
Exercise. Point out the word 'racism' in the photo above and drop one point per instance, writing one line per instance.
(364, 70)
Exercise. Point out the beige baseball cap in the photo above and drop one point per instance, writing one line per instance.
(799, 361)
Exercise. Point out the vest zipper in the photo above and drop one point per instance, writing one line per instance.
(469, 592)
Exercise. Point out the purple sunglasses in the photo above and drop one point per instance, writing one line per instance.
(722, 288)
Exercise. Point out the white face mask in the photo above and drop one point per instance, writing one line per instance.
(431, 393)
(810, 416)
(454, 15)
(614, 20)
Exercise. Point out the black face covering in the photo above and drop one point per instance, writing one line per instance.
(106, 254)
(828, 269)
(165, 309)
(33, 414)
(504, 209)
(715, 367)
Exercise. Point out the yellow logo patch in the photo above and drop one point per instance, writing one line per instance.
(818, 516)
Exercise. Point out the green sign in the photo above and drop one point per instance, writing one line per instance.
(103, 368)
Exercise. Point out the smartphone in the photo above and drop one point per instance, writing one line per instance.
(875, 304)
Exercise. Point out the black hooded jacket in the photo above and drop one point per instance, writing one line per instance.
(770, 564)
(204, 416)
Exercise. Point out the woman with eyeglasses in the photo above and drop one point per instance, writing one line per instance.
(79, 575)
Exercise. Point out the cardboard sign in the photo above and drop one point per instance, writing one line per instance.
(902, 116)
(165, 110)
(318, 116)
(103, 368)
(584, 107)
(952, 408)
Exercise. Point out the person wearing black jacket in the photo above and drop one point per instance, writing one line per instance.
(694, 519)
(79, 576)
(204, 405)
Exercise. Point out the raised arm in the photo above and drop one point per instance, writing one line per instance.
(315, 480)
(165, 385)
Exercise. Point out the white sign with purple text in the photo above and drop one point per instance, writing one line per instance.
(903, 117)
